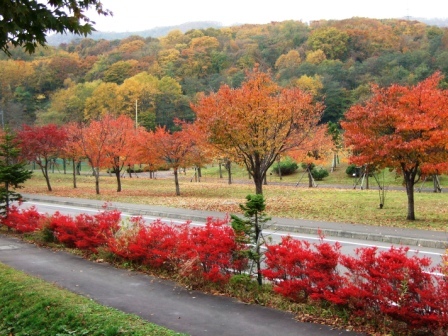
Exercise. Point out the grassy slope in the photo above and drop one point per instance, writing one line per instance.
(30, 306)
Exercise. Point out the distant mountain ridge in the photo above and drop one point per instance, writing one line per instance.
(57, 39)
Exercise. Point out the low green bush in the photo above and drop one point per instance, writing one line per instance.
(351, 170)
(319, 174)
(285, 167)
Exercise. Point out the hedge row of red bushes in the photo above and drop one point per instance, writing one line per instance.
(201, 254)
(372, 285)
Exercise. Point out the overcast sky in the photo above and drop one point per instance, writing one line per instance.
(138, 15)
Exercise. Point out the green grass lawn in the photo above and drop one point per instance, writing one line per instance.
(283, 200)
(30, 306)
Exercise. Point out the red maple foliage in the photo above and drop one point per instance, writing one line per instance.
(41, 144)
(87, 232)
(301, 270)
(401, 128)
(23, 220)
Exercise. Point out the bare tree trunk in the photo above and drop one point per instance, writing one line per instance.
(310, 176)
(96, 173)
(74, 173)
(279, 170)
(258, 180)
(367, 177)
(176, 181)
(409, 179)
(229, 170)
(44, 169)
(117, 175)
(78, 168)
(410, 193)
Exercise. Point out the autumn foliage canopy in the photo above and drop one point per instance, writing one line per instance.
(402, 128)
(255, 123)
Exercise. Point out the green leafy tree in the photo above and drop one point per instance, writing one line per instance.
(249, 231)
(12, 170)
(332, 41)
(26, 22)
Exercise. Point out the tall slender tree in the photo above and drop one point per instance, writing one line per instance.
(72, 149)
(120, 145)
(13, 171)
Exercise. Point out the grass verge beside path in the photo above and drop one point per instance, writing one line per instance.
(324, 204)
(30, 306)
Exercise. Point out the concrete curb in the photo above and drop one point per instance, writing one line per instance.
(437, 244)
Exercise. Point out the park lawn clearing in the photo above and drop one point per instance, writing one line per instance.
(30, 306)
(321, 204)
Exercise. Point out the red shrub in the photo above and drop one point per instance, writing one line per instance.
(25, 220)
(301, 270)
(64, 229)
(94, 231)
(154, 245)
(118, 244)
(393, 284)
(208, 252)
(85, 231)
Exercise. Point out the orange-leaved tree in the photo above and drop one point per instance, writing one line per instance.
(145, 151)
(255, 123)
(120, 145)
(109, 143)
(315, 150)
(403, 128)
(93, 140)
(72, 149)
(174, 149)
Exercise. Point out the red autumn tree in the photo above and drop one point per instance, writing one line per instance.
(174, 149)
(120, 145)
(401, 128)
(257, 122)
(41, 144)
(109, 143)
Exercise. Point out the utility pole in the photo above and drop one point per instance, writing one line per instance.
(136, 115)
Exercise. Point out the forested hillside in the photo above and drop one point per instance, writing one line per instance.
(335, 60)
